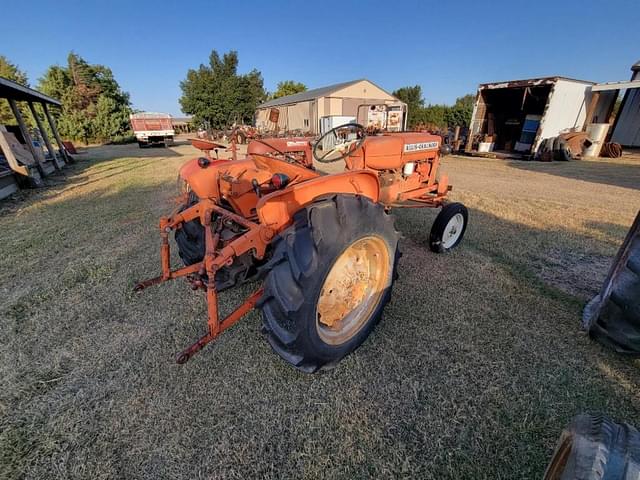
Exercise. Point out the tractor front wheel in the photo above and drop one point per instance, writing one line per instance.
(330, 277)
(448, 228)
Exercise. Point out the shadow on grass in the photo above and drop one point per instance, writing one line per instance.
(473, 372)
(100, 164)
(607, 172)
(555, 259)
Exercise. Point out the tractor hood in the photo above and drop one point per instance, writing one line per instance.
(202, 176)
(392, 151)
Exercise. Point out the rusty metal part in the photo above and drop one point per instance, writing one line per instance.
(611, 150)
(254, 240)
(206, 146)
(353, 289)
(217, 328)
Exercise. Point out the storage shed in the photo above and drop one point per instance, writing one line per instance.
(25, 158)
(320, 109)
(513, 118)
(626, 129)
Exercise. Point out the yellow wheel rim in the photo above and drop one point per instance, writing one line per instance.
(352, 290)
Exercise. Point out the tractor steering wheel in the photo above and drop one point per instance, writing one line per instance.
(339, 142)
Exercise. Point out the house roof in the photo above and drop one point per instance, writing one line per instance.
(15, 91)
(308, 95)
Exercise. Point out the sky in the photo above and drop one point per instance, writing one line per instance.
(446, 47)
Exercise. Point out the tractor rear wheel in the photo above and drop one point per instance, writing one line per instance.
(329, 279)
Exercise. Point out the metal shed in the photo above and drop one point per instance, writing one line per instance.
(22, 159)
(317, 110)
(513, 118)
(626, 129)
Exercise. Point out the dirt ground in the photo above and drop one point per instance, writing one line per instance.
(478, 363)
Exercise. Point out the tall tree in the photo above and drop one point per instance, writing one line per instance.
(12, 72)
(412, 96)
(94, 107)
(288, 87)
(217, 94)
(439, 116)
(460, 113)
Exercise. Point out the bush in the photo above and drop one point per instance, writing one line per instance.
(122, 139)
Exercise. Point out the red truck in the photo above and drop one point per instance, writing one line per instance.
(152, 128)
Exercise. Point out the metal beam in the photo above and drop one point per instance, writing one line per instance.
(595, 97)
(25, 134)
(45, 136)
(54, 129)
(10, 89)
(600, 87)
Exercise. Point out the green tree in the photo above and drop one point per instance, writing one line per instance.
(436, 115)
(12, 72)
(217, 94)
(412, 96)
(460, 113)
(440, 116)
(288, 87)
(94, 107)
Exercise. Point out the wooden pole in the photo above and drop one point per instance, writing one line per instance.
(595, 97)
(25, 134)
(56, 135)
(456, 138)
(45, 136)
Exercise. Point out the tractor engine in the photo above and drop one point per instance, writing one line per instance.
(404, 161)
(237, 186)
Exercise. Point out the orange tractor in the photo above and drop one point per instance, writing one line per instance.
(324, 247)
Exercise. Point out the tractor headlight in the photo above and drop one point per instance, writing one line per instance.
(183, 186)
(183, 189)
(184, 193)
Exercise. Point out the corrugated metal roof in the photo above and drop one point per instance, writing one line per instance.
(615, 86)
(149, 115)
(11, 89)
(531, 82)
(308, 95)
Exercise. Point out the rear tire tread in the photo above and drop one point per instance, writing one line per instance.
(296, 264)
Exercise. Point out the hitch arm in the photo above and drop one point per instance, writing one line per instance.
(216, 327)
(255, 239)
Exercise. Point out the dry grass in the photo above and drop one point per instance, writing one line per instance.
(477, 366)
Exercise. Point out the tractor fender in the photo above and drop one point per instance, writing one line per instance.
(276, 210)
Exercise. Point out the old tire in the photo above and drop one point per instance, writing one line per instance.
(342, 238)
(594, 447)
(449, 227)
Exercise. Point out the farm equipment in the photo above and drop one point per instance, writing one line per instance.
(323, 246)
(613, 316)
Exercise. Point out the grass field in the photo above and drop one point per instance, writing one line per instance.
(475, 369)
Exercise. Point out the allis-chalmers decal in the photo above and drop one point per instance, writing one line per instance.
(416, 147)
